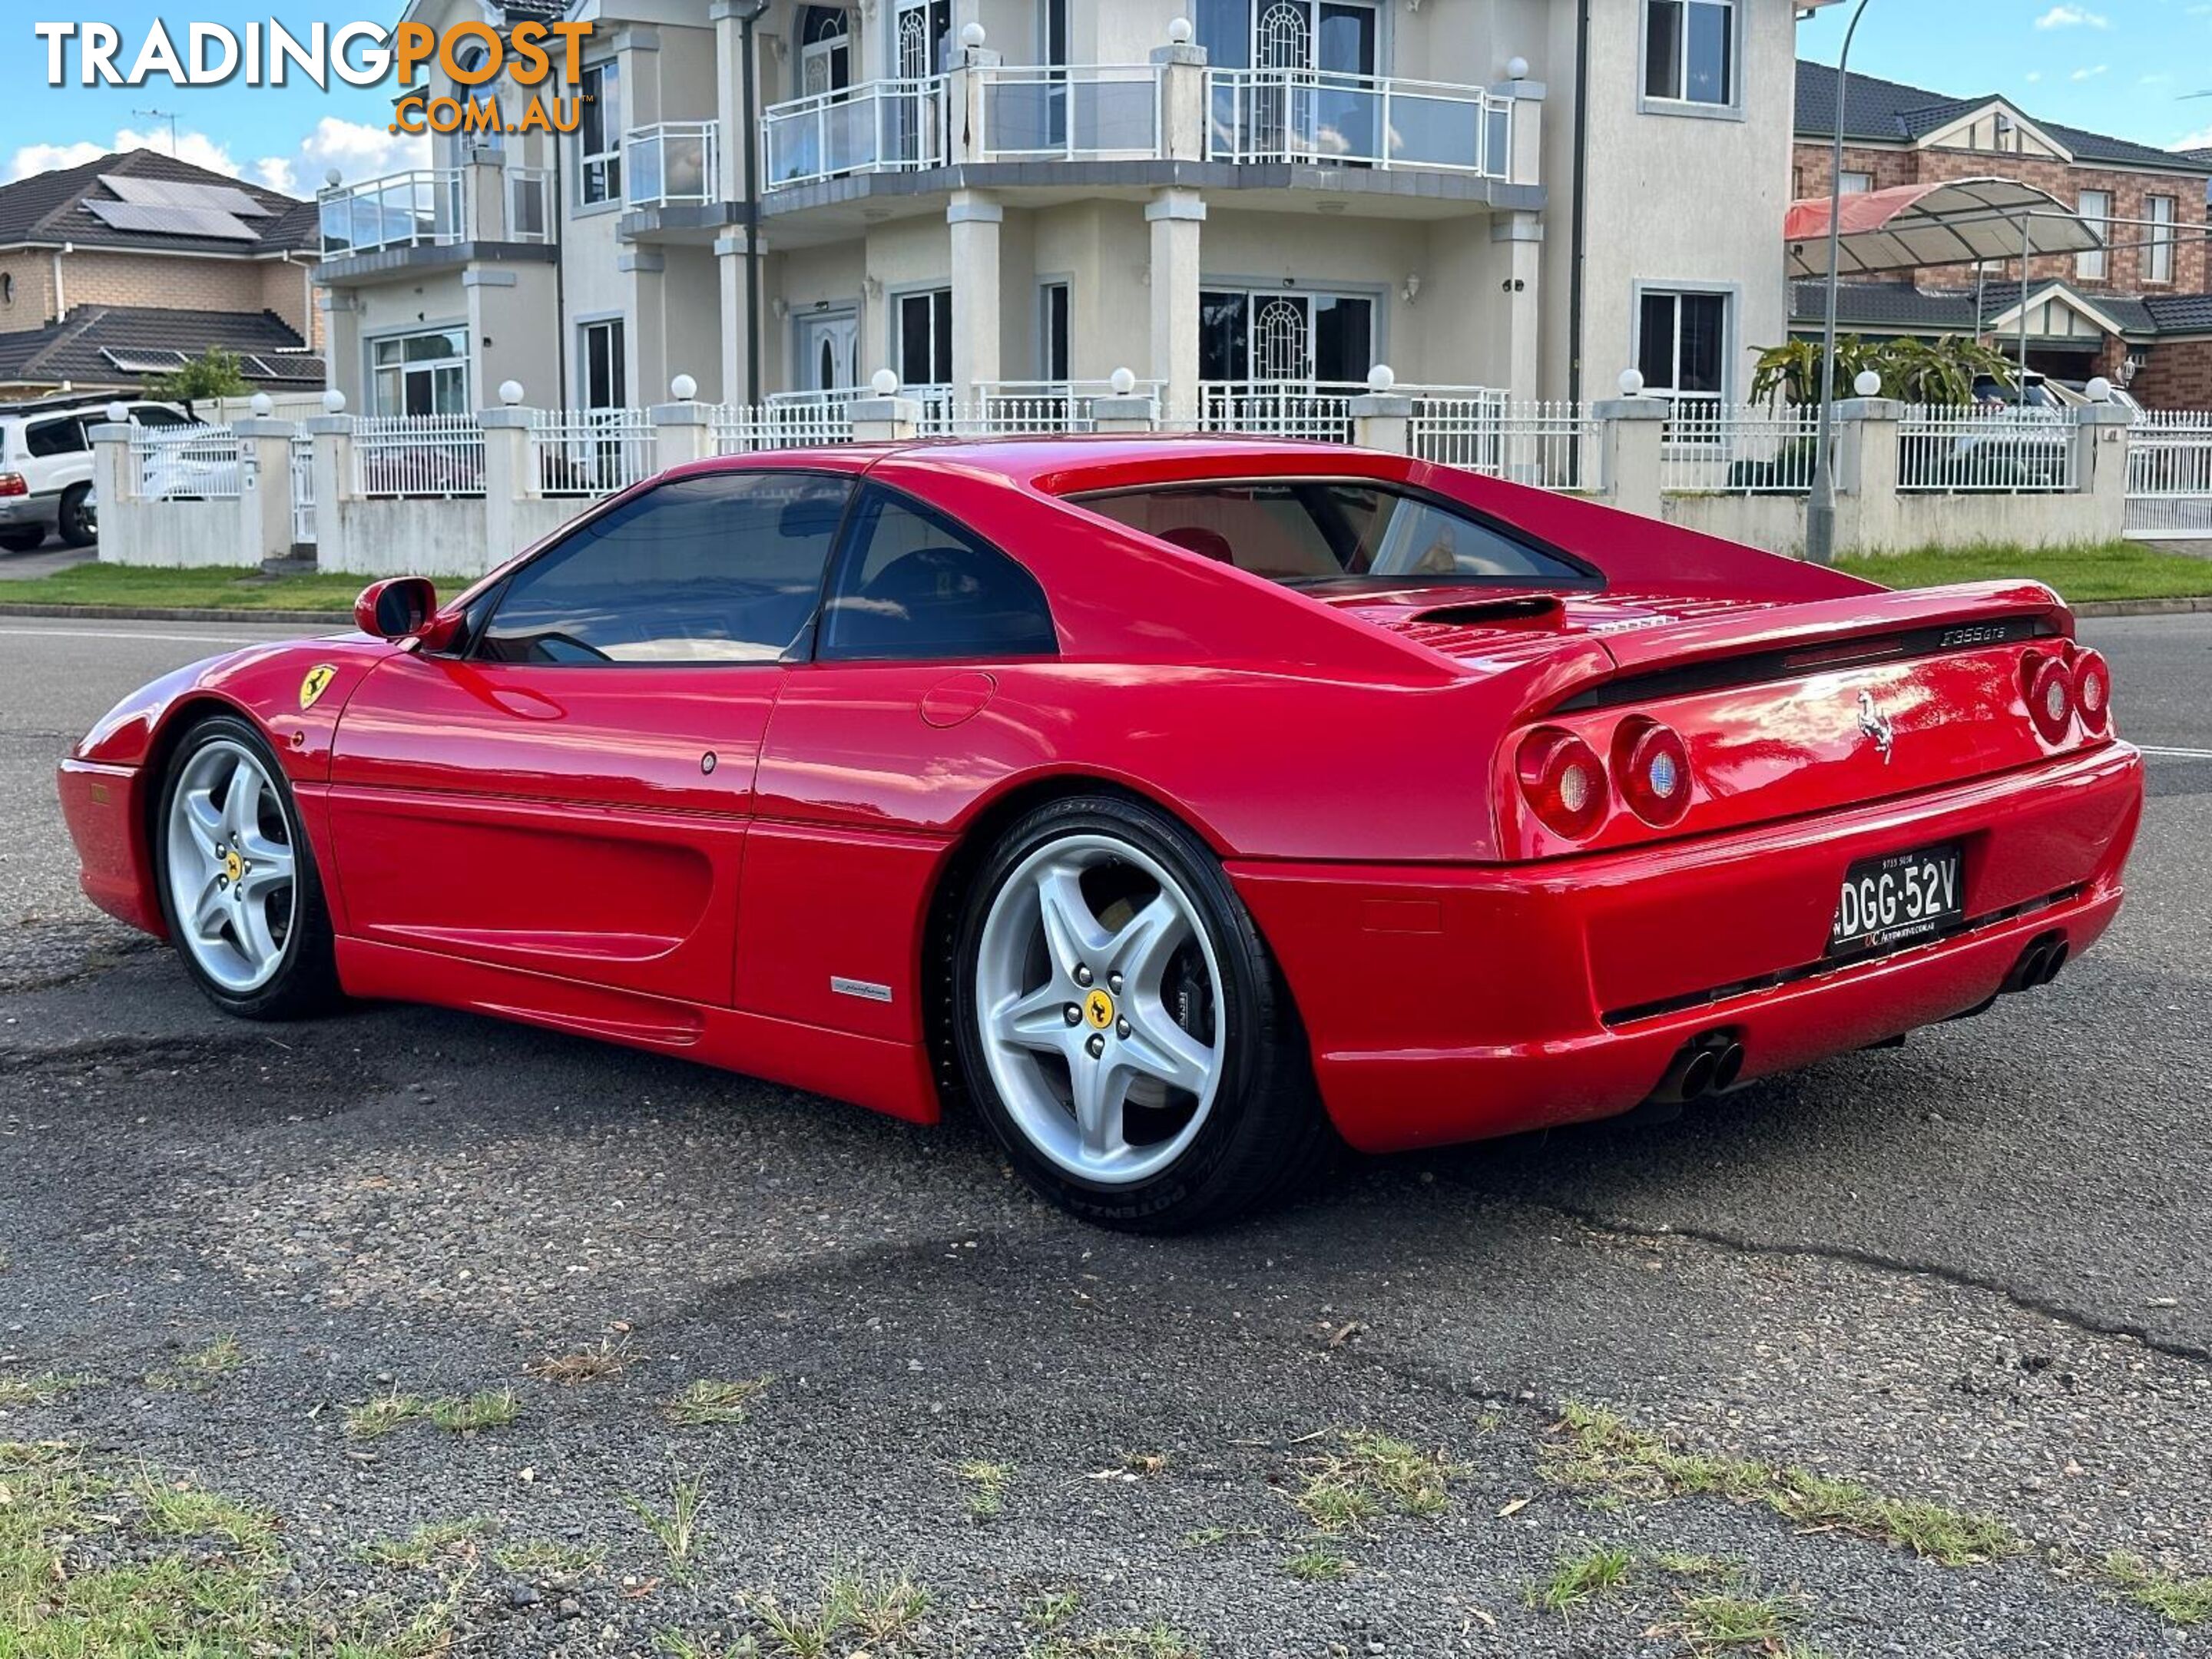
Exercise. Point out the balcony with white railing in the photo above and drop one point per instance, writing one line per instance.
(674, 164)
(1260, 115)
(437, 207)
(877, 126)
(1075, 113)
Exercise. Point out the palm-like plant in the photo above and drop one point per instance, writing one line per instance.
(1942, 371)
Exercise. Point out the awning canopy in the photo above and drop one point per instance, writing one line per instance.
(1962, 222)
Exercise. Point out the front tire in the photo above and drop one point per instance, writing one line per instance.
(237, 879)
(75, 525)
(1122, 1027)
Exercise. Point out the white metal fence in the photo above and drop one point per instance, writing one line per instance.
(418, 455)
(1550, 446)
(2170, 475)
(1972, 451)
(1712, 448)
(1278, 409)
(674, 164)
(301, 460)
(740, 429)
(185, 463)
(591, 451)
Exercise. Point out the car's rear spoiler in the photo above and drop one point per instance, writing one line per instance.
(1748, 646)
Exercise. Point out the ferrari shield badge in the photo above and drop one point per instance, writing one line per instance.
(318, 681)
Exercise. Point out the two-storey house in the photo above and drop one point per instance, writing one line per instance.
(2137, 310)
(1011, 198)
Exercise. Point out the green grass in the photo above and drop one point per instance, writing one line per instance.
(858, 1612)
(1578, 1578)
(678, 1531)
(428, 1542)
(201, 1370)
(41, 1390)
(228, 587)
(987, 1487)
(1346, 1488)
(546, 1556)
(2114, 570)
(1319, 1567)
(712, 1400)
(1595, 1451)
(2178, 1600)
(1718, 1624)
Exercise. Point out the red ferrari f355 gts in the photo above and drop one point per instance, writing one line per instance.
(1189, 805)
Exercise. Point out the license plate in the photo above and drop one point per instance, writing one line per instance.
(1898, 899)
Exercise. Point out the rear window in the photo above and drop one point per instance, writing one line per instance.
(1317, 530)
(62, 437)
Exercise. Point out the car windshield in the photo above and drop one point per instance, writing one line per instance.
(1308, 531)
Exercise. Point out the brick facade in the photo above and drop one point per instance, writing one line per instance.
(2124, 265)
(100, 277)
(2175, 374)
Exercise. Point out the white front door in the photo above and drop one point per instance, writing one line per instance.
(828, 351)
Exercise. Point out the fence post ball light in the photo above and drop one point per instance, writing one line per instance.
(885, 382)
(683, 388)
(510, 392)
(334, 402)
(1631, 383)
(1868, 385)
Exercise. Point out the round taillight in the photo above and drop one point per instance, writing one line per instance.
(1652, 769)
(1564, 781)
(2050, 696)
(2092, 689)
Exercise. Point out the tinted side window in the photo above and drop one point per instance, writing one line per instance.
(63, 437)
(911, 583)
(1302, 530)
(150, 415)
(721, 569)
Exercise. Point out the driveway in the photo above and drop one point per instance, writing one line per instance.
(1887, 1357)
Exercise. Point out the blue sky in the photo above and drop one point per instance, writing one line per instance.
(2113, 66)
(287, 137)
(2118, 66)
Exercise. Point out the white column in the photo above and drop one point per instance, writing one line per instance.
(1516, 316)
(1385, 420)
(1867, 518)
(730, 97)
(1175, 217)
(2101, 464)
(1181, 68)
(342, 342)
(973, 219)
(730, 284)
(264, 496)
(510, 478)
(649, 367)
(682, 433)
(1631, 432)
(885, 420)
(116, 487)
(332, 437)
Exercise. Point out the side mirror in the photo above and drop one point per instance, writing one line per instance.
(398, 608)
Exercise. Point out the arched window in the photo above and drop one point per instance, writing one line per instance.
(825, 49)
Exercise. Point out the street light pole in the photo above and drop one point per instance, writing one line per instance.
(1820, 509)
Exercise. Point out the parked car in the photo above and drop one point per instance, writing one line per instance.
(45, 466)
(1188, 805)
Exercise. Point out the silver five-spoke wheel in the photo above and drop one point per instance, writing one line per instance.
(232, 881)
(1100, 1003)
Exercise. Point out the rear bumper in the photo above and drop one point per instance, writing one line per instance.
(18, 512)
(1450, 1004)
(105, 814)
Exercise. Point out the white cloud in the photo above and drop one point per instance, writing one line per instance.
(2196, 141)
(354, 148)
(2033, 76)
(194, 147)
(2073, 17)
(2090, 73)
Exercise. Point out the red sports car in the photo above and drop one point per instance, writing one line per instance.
(1185, 803)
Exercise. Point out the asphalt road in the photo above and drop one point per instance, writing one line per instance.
(1973, 1271)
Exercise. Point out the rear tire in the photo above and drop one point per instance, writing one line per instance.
(74, 525)
(237, 880)
(1123, 1027)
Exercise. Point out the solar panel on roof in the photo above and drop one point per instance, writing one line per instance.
(150, 362)
(172, 221)
(181, 193)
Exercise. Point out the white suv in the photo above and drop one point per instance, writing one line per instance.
(45, 467)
